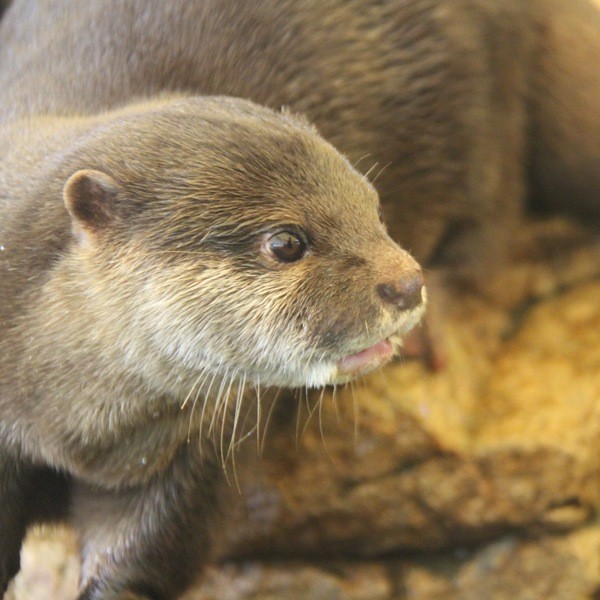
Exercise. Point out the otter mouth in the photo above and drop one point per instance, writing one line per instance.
(366, 360)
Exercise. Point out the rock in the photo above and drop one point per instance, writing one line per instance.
(552, 568)
(49, 566)
(295, 581)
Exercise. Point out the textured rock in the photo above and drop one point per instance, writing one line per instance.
(280, 581)
(375, 491)
(49, 567)
(552, 568)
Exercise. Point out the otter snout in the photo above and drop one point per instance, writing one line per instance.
(405, 292)
(398, 278)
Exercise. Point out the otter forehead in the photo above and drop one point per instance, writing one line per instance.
(230, 166)
(235, 148)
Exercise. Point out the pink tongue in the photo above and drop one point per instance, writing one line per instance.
(369, 357)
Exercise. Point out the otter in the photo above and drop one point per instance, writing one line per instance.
(132, 283)
(159, 252)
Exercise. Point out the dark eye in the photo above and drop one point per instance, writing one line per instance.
(286, 246)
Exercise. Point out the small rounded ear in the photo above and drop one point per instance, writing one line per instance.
(90, 198)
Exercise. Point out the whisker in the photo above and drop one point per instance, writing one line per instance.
(185, 401)
(231, 450)
(264, 437)
(217, 403)
(311, 412)
(207, 401)
(217, 409)
(203, 375)
(323, 440)
(298, 414)
(224, 418)
(236, 415)
(306, 400)
(250, 432)
(359, 160)
(373, 166)
(334, 400)
(381, 171)
(321, 400)
(355, 413)
(258, 411)
(336, 407)
(320, 405)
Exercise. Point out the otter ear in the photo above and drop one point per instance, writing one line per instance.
(90, 197)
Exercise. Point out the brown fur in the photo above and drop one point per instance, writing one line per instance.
(137, 303)
(459, 107)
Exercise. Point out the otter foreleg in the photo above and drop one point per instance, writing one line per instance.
(15, 486)
(147, 542)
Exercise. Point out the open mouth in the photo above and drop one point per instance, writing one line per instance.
(380, 353)
(366, 360)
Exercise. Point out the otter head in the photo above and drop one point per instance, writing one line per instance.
(242, 244)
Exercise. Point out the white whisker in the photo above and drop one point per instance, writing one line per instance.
(268, 420)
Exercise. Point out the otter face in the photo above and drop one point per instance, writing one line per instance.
(259, 254)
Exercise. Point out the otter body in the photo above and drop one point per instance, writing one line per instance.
(158, 253)
(155, 261)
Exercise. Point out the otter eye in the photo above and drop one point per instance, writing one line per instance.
(286, 246)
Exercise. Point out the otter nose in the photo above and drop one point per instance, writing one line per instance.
(405, 293)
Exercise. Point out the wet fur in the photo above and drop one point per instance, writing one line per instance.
(138, 305)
